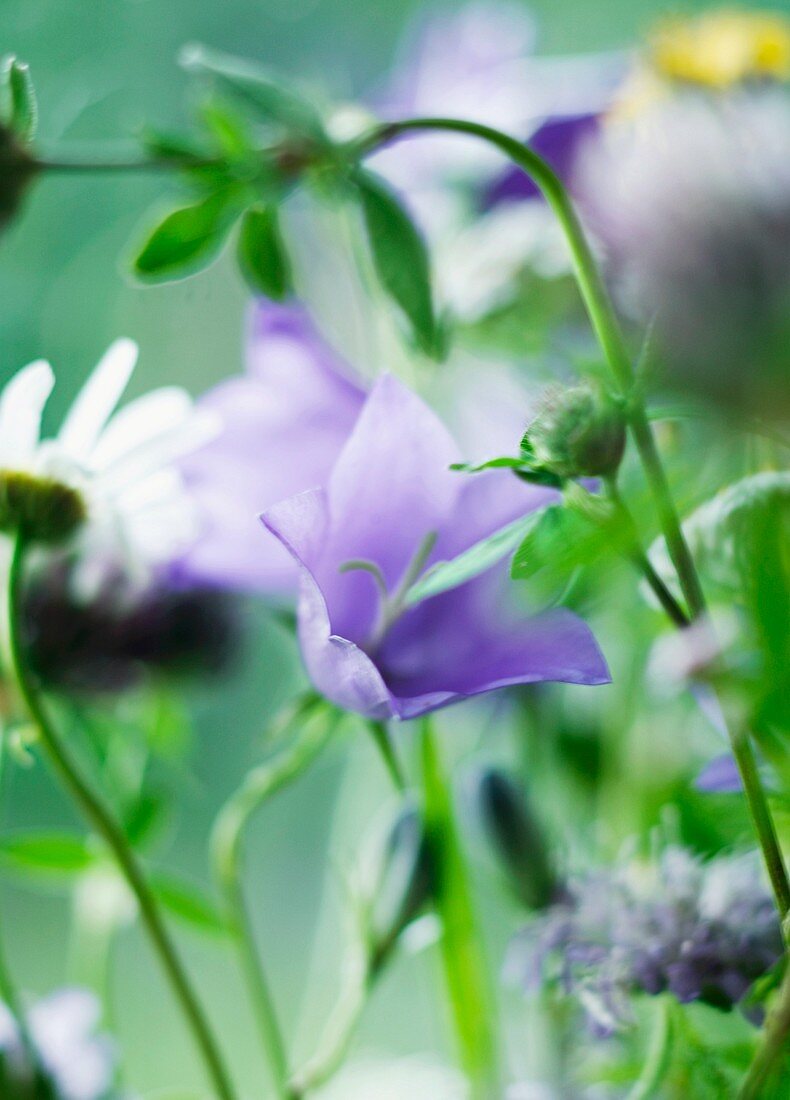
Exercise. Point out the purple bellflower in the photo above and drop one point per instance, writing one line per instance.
(392, 507)
(284, 423)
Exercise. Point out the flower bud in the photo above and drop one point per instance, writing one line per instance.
(517, 839)
(40, 508)
(17, 168)
(578, 432)
(403, 883)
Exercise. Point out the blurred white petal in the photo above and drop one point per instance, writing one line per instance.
(21, 407)
(97, 399)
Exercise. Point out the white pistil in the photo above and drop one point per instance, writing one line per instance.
(392, 604)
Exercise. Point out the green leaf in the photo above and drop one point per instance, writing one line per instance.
(263, 258)
(445, 575)
(189, 903)
(45, 854)
(187, 239)
(400, 258)
(560, 538)
(19, 97)
(505, 462)
(270, 98)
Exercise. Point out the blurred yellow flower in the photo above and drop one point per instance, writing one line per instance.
(722, 48)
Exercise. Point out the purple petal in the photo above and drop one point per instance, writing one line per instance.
(558, 142)
(391, 486)
(720, 776)
(285, 424)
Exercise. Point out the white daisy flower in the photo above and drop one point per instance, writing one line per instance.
(80, 1063)
(111, 474)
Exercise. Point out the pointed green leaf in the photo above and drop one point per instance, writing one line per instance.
(561, 538)
(45, 854)
(187, 239)
(476, 560)
(400, 258)
(267, 96)
(189, 903)
(263, 258)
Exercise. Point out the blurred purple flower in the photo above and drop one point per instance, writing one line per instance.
(390, 508)
(284, 424)
(701, 931)
(720, 776)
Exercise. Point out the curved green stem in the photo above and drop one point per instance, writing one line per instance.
(464, 966)
(100, 818)
(339, 1030)
(658, 1056)
(227, 856)
(599, 308)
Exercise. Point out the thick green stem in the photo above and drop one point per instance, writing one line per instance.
(227, 856)
(470, 998)
(100, 818)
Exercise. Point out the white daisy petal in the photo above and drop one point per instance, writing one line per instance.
(97, 399)
(21, 407)
(140, 422)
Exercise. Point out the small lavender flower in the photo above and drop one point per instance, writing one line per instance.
(79, 1063)
(700, 931)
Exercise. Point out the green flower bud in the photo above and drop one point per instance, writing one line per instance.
(40, 508)
(403, 884)
(517, 839)
(17, 169)
(578, 432)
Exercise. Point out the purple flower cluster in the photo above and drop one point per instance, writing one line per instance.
(700, 931)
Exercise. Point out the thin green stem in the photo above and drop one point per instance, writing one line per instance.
(100, 818)
(774, 1049)
(470, 998)
(258, 786)
(763, 821)
(339, 1030)
(381, 737)
(641, 560)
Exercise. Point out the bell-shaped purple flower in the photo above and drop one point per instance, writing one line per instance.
(391, 507)
(284, 423)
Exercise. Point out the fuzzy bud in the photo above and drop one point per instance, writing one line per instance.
(578, 432)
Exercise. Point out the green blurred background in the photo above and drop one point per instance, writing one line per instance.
(102, 67)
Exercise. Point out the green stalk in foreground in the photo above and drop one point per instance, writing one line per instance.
(99, 818)
(316, 725)
(471, 1001)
